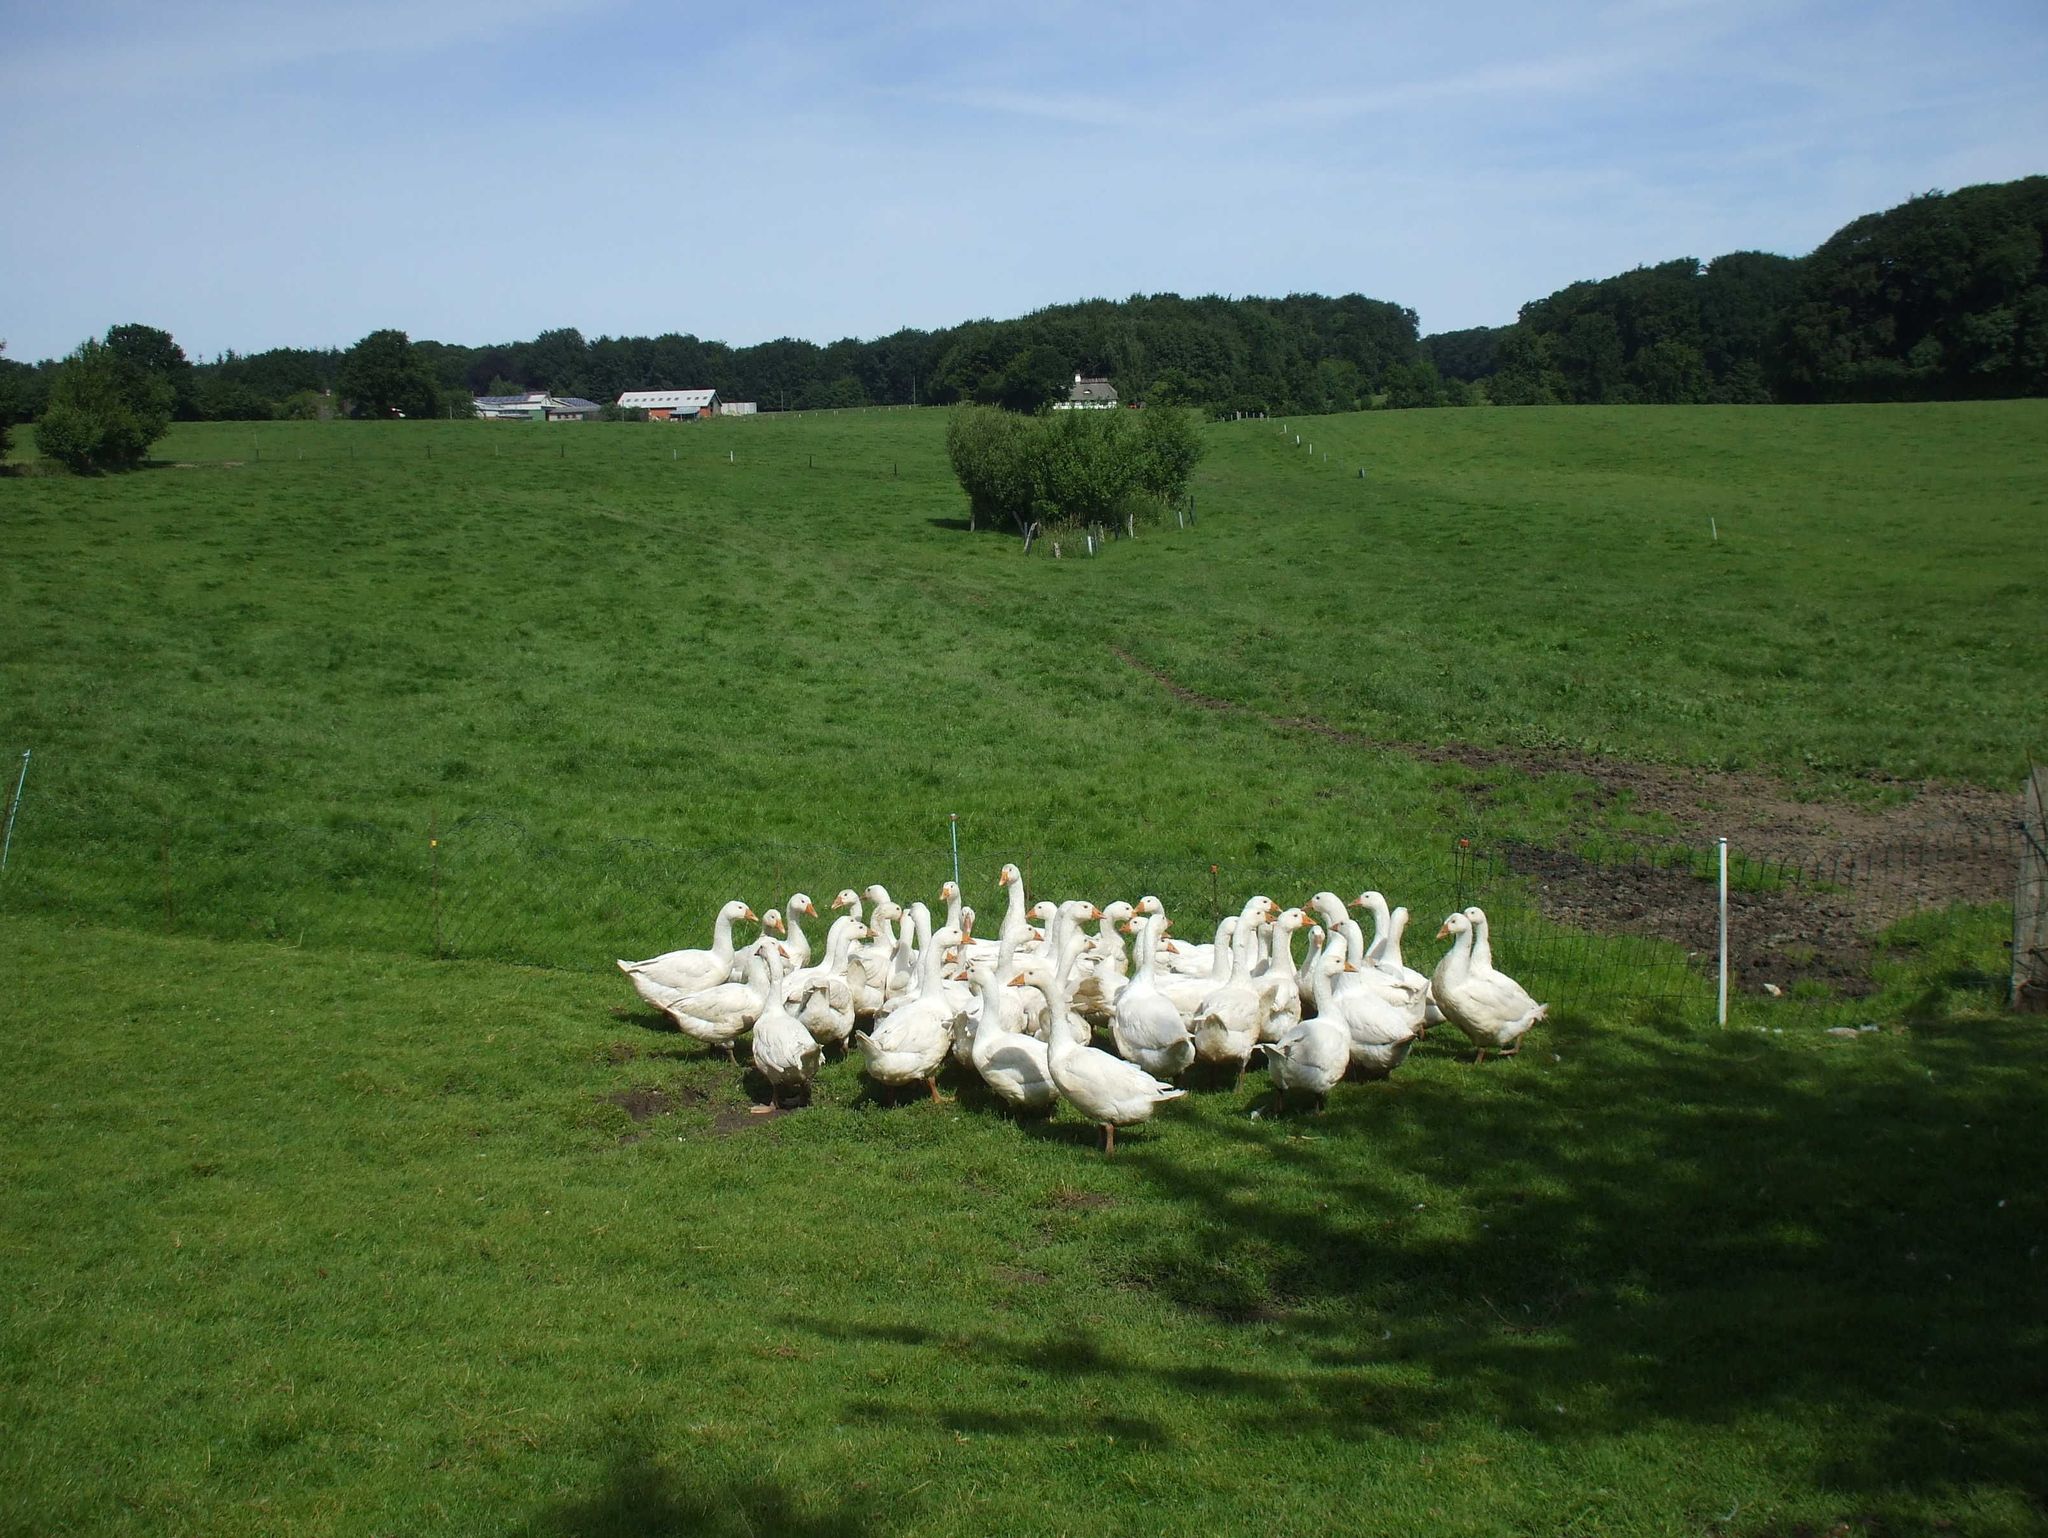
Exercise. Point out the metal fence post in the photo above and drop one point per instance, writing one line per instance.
(12, 807)
(1721, 1004)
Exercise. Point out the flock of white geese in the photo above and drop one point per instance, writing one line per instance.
(1021, 1010)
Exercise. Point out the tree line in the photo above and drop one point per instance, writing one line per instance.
(1942, 298)
(1945, 296)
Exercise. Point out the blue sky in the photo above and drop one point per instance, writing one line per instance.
(251, 176)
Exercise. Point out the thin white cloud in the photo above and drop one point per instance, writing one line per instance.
(120, 51)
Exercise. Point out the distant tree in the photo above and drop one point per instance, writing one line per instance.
(10, 403)
(228, 400)
(1413, 384)
(1470, 354)
(382, 377)
(845, 392)
(1030, 381)
(155, 352)
(557, 361)
(104, 411)
(1669, 373)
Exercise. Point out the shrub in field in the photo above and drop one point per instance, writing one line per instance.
(104, 411)
(1070, 468)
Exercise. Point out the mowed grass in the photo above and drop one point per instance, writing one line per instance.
(297, 1242)
(305, 1240)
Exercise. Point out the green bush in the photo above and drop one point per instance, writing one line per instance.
(104, 411)
(1067, 469)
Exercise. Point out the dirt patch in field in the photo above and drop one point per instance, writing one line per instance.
(1779, 938)
(643, 1102)
(1068, 1198)
(1853, 867)
(731, 1119)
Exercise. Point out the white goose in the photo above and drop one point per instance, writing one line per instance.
(1312, 1054)
(1227, 1023)
(1012, 1064)
(720, 1014)
(1378, 1034)
(1188, 991)
(785, 1052)
(686, 971)
(910, 1043)
(1491, 1008)
(822, 997)
(1408, 987)
(1107, 1090)
(794, 912)
(1103, 965)
(1279, 993)
(1146, 1026)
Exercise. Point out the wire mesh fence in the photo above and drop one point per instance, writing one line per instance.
(1597, 927)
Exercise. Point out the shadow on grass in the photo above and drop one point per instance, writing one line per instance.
(642, 1499)
(1660, 1229)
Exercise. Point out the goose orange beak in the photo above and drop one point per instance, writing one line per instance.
(1443, 932)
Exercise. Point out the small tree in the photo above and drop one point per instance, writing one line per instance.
(1168, 451)
(104, 411)
(154, 351)
(383, 376)
(8, 404)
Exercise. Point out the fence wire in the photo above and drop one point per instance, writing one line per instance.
(1599, 927)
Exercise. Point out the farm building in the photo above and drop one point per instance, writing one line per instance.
(1088, 395)
(672, 405)
(536, 406)
(737, 408)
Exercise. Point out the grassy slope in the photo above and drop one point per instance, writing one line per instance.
(619, 640)
(297, 1243)
(350, 1236)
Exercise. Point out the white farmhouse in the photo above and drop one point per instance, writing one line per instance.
(1088, 395)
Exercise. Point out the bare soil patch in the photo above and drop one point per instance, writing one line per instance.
(731, 1119)
(644, 1102)
(1852, 867)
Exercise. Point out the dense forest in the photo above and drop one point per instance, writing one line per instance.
(1944, 296)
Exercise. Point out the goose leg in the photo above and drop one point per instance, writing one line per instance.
(933, 1086)
(1480, 1058)
(1109, 1140)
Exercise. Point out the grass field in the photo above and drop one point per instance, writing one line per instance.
(339, 1240)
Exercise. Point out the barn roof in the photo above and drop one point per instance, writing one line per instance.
(675, 400)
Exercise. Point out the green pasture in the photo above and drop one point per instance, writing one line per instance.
(308, 1232)
(303, 1242)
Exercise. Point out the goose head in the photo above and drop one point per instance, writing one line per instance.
(1010, 876)
(848, 898)
(801, 905)
(877, 893)
(1043, 912)
(735, 911)
(1456, 924)
(1117, 912)
(772, 919)
(1148, 904)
